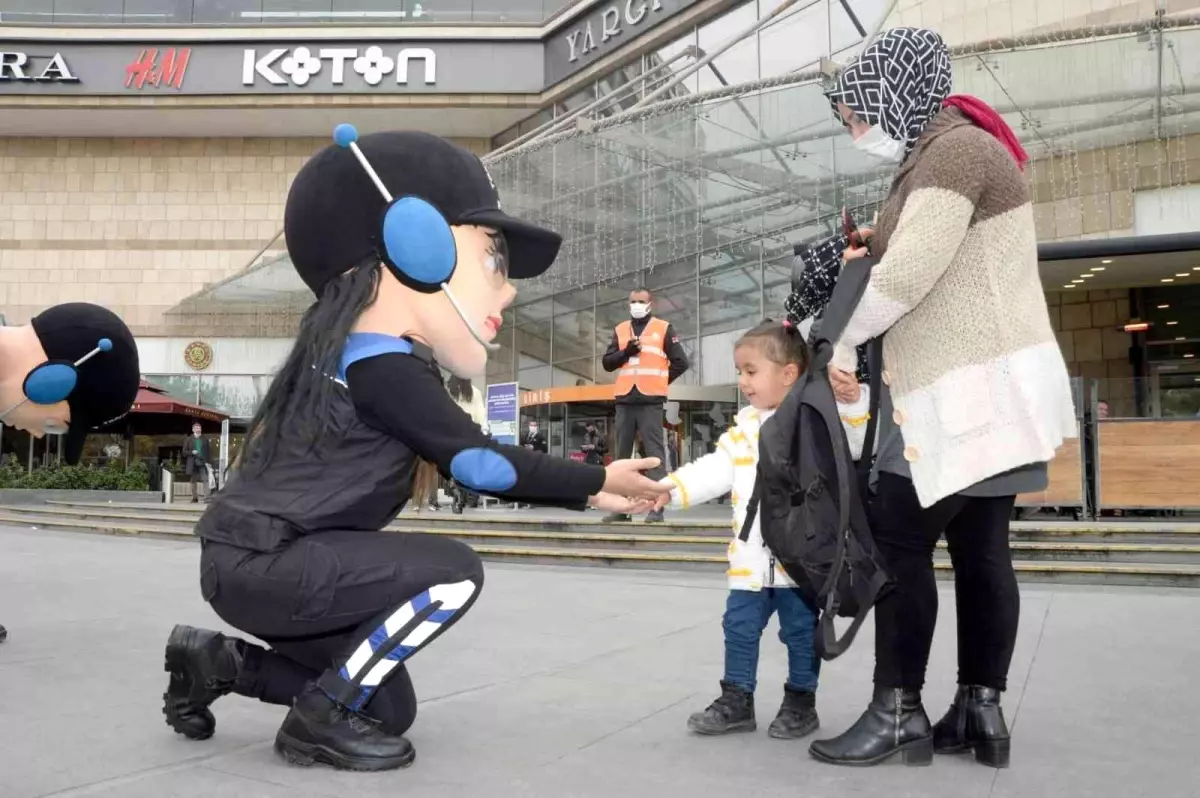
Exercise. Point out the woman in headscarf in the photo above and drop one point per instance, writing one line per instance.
(981, 396)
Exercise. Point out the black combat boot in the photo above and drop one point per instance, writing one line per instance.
(974, 721)
(654, 517)
(895, 722)
(733, 711)
(204, 666)
(797, 716)
(318, 729)
(615, 518)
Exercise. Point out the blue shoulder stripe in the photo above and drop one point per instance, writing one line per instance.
(360, 346)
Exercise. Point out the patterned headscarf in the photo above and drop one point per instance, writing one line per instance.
(898, 83)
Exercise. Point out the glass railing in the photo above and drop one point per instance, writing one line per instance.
(277, 12)
(1163, 395)
(235, 395)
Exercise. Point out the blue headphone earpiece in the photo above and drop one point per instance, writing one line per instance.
(52, 382)
(417, 242)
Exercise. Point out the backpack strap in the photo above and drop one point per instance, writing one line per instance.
(865, 462)
(751, 511)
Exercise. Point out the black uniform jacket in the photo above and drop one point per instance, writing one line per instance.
(390, 407)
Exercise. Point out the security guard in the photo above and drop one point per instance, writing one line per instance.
(647, 356)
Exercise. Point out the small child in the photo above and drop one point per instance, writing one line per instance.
(770, 358)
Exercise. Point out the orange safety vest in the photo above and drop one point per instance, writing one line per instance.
(649, 370)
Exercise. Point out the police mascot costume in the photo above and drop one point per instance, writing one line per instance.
(74, 367)
(401, 237)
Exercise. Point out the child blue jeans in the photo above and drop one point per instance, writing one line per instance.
(746, 615)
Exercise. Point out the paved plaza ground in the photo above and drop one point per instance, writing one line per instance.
(565, 682)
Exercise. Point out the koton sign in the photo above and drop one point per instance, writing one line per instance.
(373, 65)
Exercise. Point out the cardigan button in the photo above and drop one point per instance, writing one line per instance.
(911, 454)
(898, 416)
(887, 378)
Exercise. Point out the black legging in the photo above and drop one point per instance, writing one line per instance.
(339, 607)
(985, 585)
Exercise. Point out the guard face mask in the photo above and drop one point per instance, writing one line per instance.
(880, 145)
(639, 310)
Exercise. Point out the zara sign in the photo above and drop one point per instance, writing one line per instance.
(26, 68)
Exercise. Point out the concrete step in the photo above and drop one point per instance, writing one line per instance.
(1087, 563)
(1048, 531)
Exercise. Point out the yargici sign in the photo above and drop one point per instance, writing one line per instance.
(156, 68)
(605, 28)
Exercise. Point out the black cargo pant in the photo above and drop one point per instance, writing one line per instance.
(647, 419)
(344, 610)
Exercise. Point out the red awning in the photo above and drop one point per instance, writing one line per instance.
(153, 399)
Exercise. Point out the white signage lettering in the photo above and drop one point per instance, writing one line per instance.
(21, 66)
(298, 66)
(582, 40)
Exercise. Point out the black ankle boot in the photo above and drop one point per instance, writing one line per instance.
(204, 666)
(733, 711)
(895, 722)
(974, 721)
(797, 716)
(318, 729)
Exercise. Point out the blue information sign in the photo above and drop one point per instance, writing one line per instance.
(503, 412)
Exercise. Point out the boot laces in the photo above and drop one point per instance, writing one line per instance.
(361, 723)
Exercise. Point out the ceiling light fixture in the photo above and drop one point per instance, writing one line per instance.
(1167, 280)
(1068, 285)
(1181, 338)
(1183, 274)
(1101, 268)
(1163, 307)
(1172, 323)
(1077, 281)
(1189, 354)
(1106, 261)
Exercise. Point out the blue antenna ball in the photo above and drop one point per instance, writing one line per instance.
(344, 135)
(104, 345)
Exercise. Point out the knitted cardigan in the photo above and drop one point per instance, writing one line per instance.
(978, 382)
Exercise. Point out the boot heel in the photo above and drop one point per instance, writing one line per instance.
(993, 753)
(919, 753)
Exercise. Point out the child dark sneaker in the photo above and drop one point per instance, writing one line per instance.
(732, 712)
(797, 716)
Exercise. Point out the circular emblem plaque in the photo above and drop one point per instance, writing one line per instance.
(198, 355)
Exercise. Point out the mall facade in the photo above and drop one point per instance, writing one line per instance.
(146, 148)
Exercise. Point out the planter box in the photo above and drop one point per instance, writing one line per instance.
(36, 496)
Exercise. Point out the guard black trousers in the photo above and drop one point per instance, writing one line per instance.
(344, 610)
(985, 586)
(647, 419)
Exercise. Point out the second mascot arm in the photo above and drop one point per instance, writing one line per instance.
(403, 397)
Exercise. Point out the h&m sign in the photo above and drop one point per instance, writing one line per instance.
(602, 30)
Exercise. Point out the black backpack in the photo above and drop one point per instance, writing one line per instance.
(808, 492)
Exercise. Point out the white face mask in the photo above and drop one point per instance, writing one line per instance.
(880, 145)
(639, 310)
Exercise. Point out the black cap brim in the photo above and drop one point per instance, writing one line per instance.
(531, 249)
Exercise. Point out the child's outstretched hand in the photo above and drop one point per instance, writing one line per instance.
(625, 478)
(612, 503)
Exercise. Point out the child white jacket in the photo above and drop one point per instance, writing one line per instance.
(731, 469)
